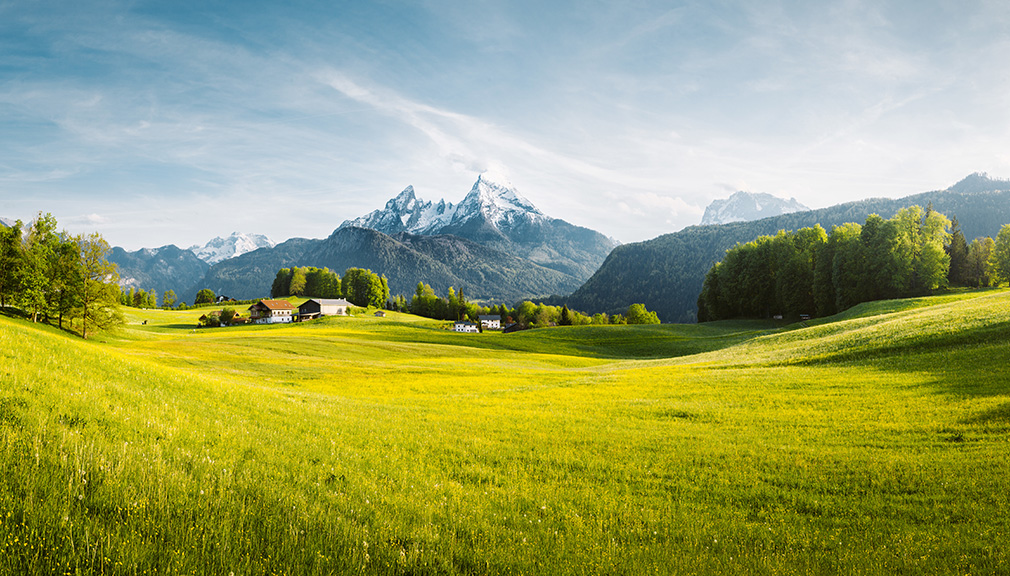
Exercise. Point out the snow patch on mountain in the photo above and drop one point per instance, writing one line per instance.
(236, 244)
(747, 206)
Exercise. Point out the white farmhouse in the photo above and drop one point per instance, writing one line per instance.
(465, 327)
(271, 312)
(490, 322)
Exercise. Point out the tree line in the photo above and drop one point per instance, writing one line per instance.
(55, 277)
(362, 287)
(811, 272)
(454, 306)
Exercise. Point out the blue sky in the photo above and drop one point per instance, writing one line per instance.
(174, 122)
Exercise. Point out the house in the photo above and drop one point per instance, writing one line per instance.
(490, 322)
(318, 307)
(466, 327)
(223, 298)
(380, 314)
(271, 312)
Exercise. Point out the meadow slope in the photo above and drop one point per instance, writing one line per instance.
(875, 442)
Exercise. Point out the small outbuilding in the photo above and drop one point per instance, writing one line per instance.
(319, 307)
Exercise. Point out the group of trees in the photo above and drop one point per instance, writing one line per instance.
(359, 286)
(812, 272)
(140, 298)
(52, 275)
(971, 264)
(527, 314)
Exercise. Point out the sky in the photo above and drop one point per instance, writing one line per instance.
(175, 122)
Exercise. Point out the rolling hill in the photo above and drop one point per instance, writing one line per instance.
(873, 442)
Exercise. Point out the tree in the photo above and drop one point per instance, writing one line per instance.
(637, 314)
(98, 292)
(168, 299)
(999, 259)
(66, 277)
(11, 263)
(282, 283)
(978, 272)
(227, 315)
(957, 250)
(205, 296)
(566, 317)
(298, 282)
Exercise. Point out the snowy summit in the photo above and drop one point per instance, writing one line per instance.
(747, 206)
(237, 244)
(492, 197)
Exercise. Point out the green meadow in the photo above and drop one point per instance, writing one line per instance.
(873, 442)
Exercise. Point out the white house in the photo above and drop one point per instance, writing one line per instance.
(317, 307)
(490, 322)
(465, 327)
(271, 312)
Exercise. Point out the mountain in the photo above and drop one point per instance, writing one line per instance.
(6, 223)
(237, 244)
(495, 215)
(747, 206)
(406, 259)
(163, 269)
(666, 273)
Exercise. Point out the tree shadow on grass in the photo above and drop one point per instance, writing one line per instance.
(998, 416)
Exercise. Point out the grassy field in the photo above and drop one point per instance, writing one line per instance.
(875, 442)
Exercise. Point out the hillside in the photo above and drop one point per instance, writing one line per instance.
(666, 273)
(873, 442)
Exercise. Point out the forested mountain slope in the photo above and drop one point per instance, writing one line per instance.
(666, 273)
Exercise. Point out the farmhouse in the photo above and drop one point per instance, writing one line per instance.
(465, 327)
(271, 312)
(490, 322)
(318, 307)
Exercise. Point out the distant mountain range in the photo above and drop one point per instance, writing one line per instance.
(747, 206)
(494, 245)
(667, 272)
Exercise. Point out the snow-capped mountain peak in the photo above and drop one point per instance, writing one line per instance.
(494, 197)
(234, 245)
(747, 206)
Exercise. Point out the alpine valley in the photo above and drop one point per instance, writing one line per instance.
(494, 245)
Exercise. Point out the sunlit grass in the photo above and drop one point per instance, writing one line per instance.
(873, 444)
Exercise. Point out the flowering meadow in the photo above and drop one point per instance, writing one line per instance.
(873, 442)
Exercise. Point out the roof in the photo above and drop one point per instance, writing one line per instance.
(465, 324)
(490, 317)
(329, 301)
(275, 304)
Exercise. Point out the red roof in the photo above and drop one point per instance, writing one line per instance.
(277, 304)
